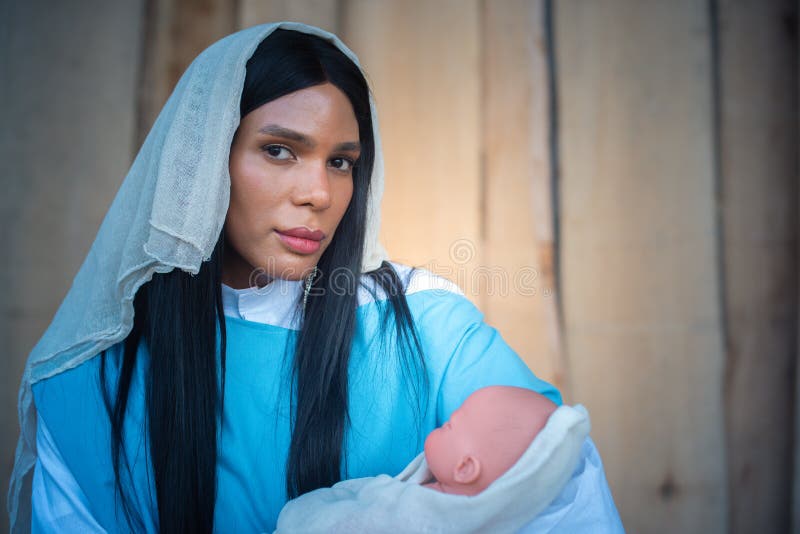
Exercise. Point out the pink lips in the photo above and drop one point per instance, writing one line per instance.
(301, 239)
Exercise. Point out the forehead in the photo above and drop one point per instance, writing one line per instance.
(478, 402)
(318, 110)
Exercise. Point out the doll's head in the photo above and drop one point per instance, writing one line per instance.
(485, 437)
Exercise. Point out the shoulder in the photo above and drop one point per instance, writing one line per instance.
(441, 312)
(58, 392)
(75, 396)
(436, 304)
(416, 282)
(84, 376)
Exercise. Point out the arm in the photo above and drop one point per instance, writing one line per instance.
(467, 354)
(57, 503)
(481, 357)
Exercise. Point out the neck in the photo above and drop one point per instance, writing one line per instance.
(238, 274)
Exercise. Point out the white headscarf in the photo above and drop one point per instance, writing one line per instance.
(167, 214)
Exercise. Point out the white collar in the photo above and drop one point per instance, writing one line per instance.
(274, 304)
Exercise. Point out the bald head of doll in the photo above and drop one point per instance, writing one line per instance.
(484, 438)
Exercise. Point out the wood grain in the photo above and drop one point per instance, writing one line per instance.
(639, 243)
(175, 32)
(422, 59)
(69, 85)
(321, 13)
(758, 165)
(520, 287)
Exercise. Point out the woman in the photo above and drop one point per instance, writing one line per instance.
(235, 337)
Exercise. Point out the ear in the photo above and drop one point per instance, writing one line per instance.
(468, 470)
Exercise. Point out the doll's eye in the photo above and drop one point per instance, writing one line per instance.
(278, 152)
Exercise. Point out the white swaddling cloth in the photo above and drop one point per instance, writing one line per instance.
(392, 504)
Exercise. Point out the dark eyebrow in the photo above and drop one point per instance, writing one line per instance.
(352, 146)
(286, 133)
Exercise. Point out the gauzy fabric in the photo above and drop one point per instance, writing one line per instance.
(381, 504)
(168, 214)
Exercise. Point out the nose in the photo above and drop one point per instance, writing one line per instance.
(313, 187)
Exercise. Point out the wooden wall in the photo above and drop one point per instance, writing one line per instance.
(614, 183)
(640, 256)
(758, 191)
(519, 204)
(68, 93)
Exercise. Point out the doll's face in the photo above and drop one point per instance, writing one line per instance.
(457, 436)
(485, 437)
(291, 165)
(460, 439)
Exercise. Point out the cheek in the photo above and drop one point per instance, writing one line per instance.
(243, 225)
(344, 195)
(441, 455)
(254, 192)
(236, 220)
(247, 179)
(430, 441)
(435, 450)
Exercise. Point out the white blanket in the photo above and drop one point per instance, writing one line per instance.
(393, 504)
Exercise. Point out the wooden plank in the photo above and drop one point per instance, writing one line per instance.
(796, 481)
(321, 13)
(639, 254)
(796, 484)
(758, 139)
(422, 59)
(521, 296)
(69, 77)
(175, 32)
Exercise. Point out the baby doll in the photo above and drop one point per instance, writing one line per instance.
(484, 438)
(503, 456)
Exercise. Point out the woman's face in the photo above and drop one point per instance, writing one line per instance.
(291, 167)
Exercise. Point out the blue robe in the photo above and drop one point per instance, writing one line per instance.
(74, 480)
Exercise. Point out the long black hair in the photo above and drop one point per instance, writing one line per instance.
(177, 316)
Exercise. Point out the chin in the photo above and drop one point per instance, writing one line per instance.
(294, 270)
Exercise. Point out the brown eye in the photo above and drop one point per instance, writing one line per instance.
(342, 164)
(278, 152)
